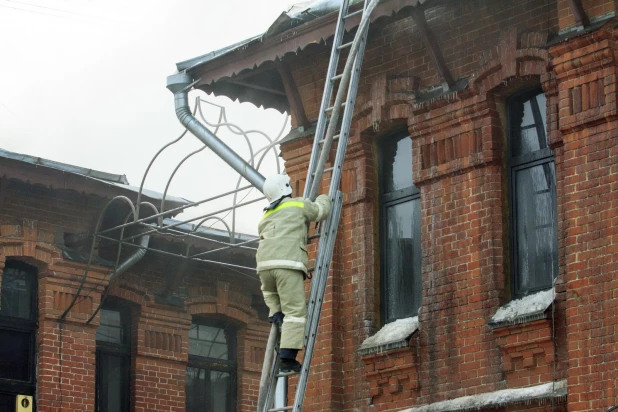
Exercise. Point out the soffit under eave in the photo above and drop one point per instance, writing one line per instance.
(294, 40)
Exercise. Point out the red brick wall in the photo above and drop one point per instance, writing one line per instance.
(51, 209)
(458, 152)
(31, 221)
(588, 131)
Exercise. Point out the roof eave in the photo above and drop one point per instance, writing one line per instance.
(64, 180)
(253, 54)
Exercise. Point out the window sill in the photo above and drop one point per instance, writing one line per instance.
(527, 309)
(524, 334)
(392, 336)
(390, 366)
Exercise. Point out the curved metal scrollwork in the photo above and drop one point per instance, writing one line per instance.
(259, 145)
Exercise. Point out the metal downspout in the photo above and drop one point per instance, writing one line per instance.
(133, 259)
(123, 267)
(179, 84)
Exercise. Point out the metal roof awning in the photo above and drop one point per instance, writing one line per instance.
(305, 24)
(81, 179)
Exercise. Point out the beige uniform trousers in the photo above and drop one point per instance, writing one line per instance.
(284, 291)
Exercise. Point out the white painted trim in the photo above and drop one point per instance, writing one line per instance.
(280, 263)
(294, 319)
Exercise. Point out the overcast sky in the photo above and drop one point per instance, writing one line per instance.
(83, 82)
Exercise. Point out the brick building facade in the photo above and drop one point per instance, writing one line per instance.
(481, 207)
(168, 333)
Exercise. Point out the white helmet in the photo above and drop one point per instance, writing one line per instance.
(276, 187)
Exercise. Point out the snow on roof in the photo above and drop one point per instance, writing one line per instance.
(498, 398)
(526, 309)
(392, 336)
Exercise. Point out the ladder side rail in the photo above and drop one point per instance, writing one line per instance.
(322, 263)
(326, 251)
(273, 337)
(327, 243)
(327, 94)
(304, 374)
(314, 287)
(341, 97)
(317, 276)
(347, 116)
(342, 145)
(274, 371)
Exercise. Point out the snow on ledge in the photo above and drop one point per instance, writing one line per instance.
(522, 310)
(393, 335)
(498, 398)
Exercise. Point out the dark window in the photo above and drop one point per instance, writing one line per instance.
(17, 329)
(401, 231)
(211, 372)
(532, 197)
(113, 359)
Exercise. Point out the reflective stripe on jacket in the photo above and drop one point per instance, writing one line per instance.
(283, 233)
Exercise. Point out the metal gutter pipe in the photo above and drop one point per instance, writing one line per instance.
(131, 260)
(179, 84)
(123, 267)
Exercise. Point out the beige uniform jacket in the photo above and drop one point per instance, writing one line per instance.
(283, 233)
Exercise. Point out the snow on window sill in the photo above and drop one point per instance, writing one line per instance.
(519, 396)
(393, 335)
(526, 309)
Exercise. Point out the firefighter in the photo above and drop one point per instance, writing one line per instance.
(282, 262)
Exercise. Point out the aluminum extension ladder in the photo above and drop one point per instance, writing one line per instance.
(328, 233)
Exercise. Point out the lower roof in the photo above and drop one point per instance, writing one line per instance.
(64, 176)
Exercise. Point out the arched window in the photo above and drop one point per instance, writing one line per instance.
(211, 372)
(113, 359)
(400, 203)
(17, 332)
(532, 196)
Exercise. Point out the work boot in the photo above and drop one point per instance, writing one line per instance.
(289, 366)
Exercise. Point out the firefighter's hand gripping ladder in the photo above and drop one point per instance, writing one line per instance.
(325, 134)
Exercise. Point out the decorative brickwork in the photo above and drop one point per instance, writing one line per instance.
(63, 300)
(163, 341)
(160, 359)
(587, 78)
(392, 375)
(528, 353)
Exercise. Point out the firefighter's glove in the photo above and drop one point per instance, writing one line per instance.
(277, 318)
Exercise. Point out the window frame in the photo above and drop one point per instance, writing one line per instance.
(118, 350)
(386, 200)
(22, 325)
(543, 156)
(227, 366)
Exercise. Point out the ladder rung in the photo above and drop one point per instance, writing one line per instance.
(357, 12)
(344, 46)
(317, 235)
(335, 137)
(328, 169)
(285, 375)
(330, 109)
(337, 77)
(285, 408)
